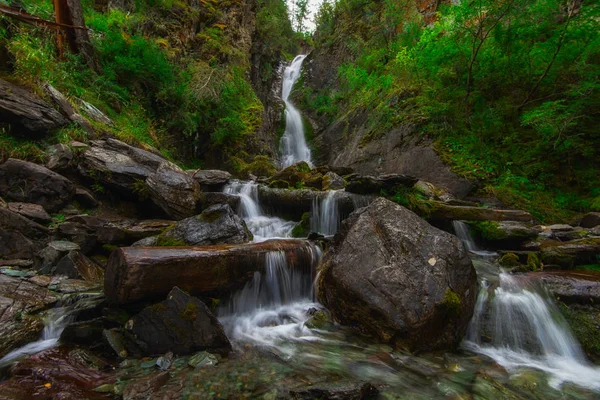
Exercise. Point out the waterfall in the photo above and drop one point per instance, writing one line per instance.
(462, 231)
(293, 143)
(262, 227)
(325, 214)
(523, 328)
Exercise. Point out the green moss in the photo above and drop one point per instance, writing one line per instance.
(302, 228)
(279, 184)
(110, 247)
(168, 241)
(589, 267)
(190, 312)
(509, 260)
(488, 230)
(533, 261)
(210, 216)
(584, 322)
(452, 302)
(158, 307)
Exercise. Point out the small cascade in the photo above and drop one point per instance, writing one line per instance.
(55, 322)
(464, 234)
(262, 227)
(293, 145)
(523, 328)
(325, 214)
(272, 308)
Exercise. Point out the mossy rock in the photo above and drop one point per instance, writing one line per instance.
(533, 261)
(452, 302)
(168, 241)
(584, 321)
(509, 260)
(279, 184)
(302, 228)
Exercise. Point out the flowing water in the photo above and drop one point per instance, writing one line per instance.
(293, 145)
(263, 227)
(326, 212)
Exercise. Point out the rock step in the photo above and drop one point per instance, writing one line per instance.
(464, 213)
(137, 273)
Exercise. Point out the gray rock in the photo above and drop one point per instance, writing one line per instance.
(212, 179)
(94, 113)
(572, 253)
(590, 220)
(163, 363)
(208, 199)
(25, 182)
(26, 111)
(392, 275)
(181, 324)
(55, 251)
(560, 228)
(77, 266)
(32, 211)
(332, 181)
(19, 236)
(174, 191)
(59, 156)
(149, 241)
(85, 198)
(217, 224)
(571, 286)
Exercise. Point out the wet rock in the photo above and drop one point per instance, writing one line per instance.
(77, 266)
(146, 242)
(18, 301)
(181, 324)
(208, 199)
(56, 250)
(203, 359)
(590, 220)
(76, 286)
(19, 236)
(570, 254)
(145, 387)
(217, 224)
(26, 111)
(116, 340)
(212, 180)
(174, 191)
(572, 286)
(504, 234)
(443, 211)
(125, 232)
(17, 263)
(25, 182)
(136, 273)
(87, 332)
(560, 228)
(392, 275)
(31, 211)
(366, 184)
(351, 391)
(332, 181)
(59, 157)
(293, 175)
(85, 198)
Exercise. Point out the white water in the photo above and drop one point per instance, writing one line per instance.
(55, 322)
(293, 145)
(525, 329)
(262, 227)
(464, 234)
(325, 214)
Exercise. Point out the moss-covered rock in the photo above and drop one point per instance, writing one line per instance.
(302, 228)
(279, 184)
(533, 261)
(584, 322)
(509, 260)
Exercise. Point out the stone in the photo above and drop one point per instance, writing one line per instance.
(181, 324)
(208, 199)
(366, 184)
(19, 302)
(571, 253)
(115, 339)
(31, 211)
(85, 198)
(137, 273)
(392, 275)
(174, 191)
(560, 228)
(203, 359)
(19, 236)
(504, 234)
(145, 387)
(146, 242)
(211, 180)
(26, 111)
(332, 181)
(163, 363)
(590, 220)
(78, 146)
(571, 286)
(67, 109)
(59, 157)
(443, 211)
(76, 286)
(77, 266)
(25, 182)
(217, 224)
(94, 113)
(332, 391)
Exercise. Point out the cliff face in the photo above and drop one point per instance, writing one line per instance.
(346, 135)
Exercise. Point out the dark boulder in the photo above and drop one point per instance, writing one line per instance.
(216, 225)
(392, 275)
(77, 266)
(24, 110)
(374, 185)
(174, 191)
(26, 182)
(208, 199)
(590, 220)
(59, 157)
(31, 211)
(54, 252)
(571, 253)
(181, 324)
(332, 181)
(19, 236)
(571, 286)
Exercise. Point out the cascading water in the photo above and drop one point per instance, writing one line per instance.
(325, 214)
(517, 325)
(262, 227)
(293, 145)
(462, 231)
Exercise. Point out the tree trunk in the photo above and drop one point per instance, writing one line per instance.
(70, 12)
(463, 213)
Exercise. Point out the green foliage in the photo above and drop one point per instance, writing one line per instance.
(302, 228)
(509, 260)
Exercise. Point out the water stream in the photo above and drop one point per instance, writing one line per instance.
(293, 145)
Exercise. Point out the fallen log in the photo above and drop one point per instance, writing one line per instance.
(439, 210)
(143, 273)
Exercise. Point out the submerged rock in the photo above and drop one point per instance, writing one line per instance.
(392, 275)
(26, 182)
(217, 224)
(181, 324)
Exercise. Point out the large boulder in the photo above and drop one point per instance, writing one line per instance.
(24, 110)
(374, 185)
(32, 211)
(504, 234)
(590, 220)
(571, 286)
(392, 275)
(216, 225)
(181, 324)
(174, 191)
(26, 182)
(19, 236)
(571, 253)
(211, 180)
(19, 302)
